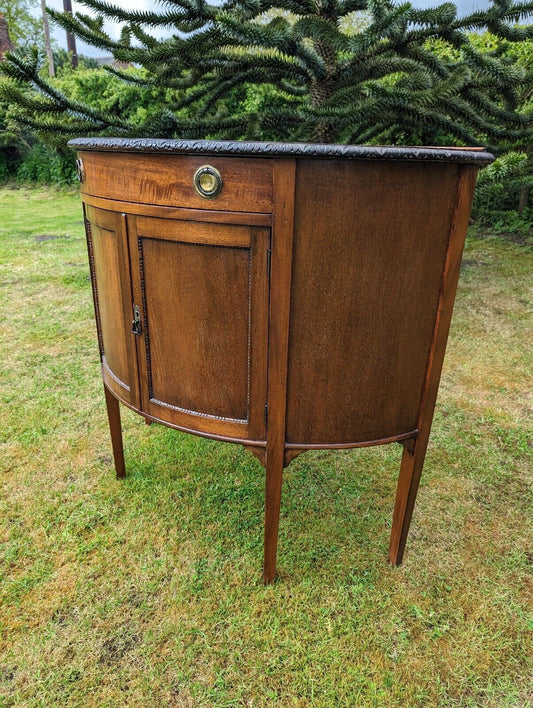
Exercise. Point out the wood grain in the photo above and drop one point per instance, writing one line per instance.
(189, 231)
(112, 295)
(167, 180)
(280, 288)
(204, 294)
(166, 212)
(115, 429)
(365, 291)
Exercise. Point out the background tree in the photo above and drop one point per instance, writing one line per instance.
(25, 26)
(324, 80)
(507, 184)
(47, 39)
(71, 39)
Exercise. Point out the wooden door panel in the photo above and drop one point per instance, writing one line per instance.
(205, 309)
(112, 293)
(197, 302)
(215, 234)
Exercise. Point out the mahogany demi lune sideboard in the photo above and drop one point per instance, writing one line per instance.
(285, 297)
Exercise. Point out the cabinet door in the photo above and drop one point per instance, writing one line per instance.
(202, 289)
(110, 274)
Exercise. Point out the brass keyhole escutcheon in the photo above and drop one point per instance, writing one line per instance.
(207, 182)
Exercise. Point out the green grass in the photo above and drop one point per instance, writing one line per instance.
(147, 591)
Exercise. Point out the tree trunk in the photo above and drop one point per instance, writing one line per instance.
(47, 41)
(322, 90)
(71, 40)
(5, 42)
(523, 201)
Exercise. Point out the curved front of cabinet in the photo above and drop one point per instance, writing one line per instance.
(182, 312)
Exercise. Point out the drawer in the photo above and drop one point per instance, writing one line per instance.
(169, 180)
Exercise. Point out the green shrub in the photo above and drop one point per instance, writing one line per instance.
(499, 185)
(36, 160)
(107, 93)
(46, 165)
(9, 154)
(7, 166)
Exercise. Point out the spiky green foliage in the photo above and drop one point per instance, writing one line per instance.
(329, 70)
(500, 182)
(508, 184)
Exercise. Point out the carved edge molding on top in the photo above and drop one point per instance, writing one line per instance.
(475, 156)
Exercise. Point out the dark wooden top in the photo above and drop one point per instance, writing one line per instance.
(474, 156)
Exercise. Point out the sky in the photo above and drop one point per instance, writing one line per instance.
(59, 35)
(464, 6)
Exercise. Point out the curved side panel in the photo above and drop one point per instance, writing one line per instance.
(106, 239)
(367, 277)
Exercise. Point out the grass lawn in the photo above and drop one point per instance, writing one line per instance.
(147, 591)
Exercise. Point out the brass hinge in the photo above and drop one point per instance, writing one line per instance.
(136, 326)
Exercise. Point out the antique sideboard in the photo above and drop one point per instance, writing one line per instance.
(285, 297)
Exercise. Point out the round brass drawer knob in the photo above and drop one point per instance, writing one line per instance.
(207, 182)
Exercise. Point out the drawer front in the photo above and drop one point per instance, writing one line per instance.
(169, 180)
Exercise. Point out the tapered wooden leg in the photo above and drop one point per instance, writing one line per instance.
(284, 185)
(412, 464)
(113, 415)
(274, 477)
(408, 481)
